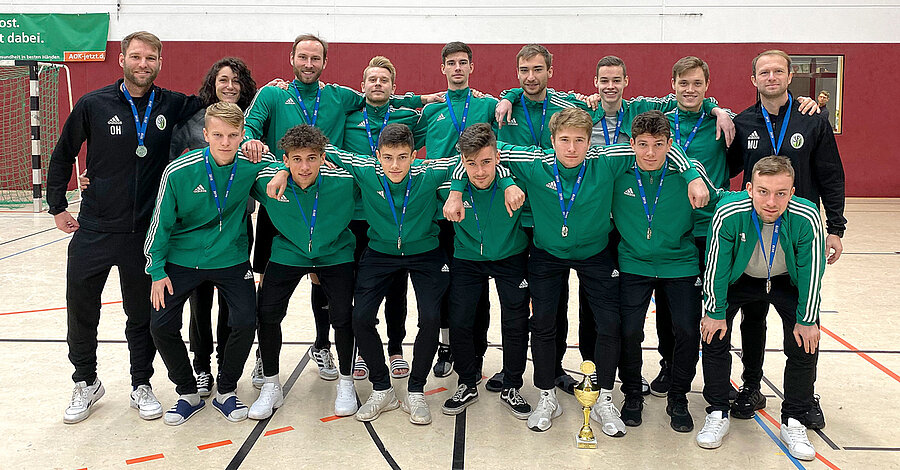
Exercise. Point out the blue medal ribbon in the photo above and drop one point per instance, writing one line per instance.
(619, 117)
(559, 191)
(784, 125)
(460, 127)
(687, 143)
(315, 114)
(475, 211)
(390, 198)
(535, 137)
(311, 222)
(372, 145)
(212, 184)
(771, 258)
(637, 176)
(140, 126)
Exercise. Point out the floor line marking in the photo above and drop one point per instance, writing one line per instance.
(35, 247)
(459, 442)
(213, 445)
(861, 354)
(379, 444)
(278, 431)
(778, 425)
(328, 419)
(887, 449)
(51, 309)
(437, 390)
(145, 458)
(777, 441)
(26, 236)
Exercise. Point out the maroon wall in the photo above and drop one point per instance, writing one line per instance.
(873, 66)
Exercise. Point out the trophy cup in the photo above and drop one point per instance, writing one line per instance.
(586, 393)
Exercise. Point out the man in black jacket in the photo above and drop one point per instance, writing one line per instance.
(774, 126)
(128, 127)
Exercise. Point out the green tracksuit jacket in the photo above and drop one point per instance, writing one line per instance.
(441, 134)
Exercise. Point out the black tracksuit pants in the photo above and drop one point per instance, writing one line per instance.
(664, 330)
(90, 257)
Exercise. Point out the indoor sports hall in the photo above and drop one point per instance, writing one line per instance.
(849, 50)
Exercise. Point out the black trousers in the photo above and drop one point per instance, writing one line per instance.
(664, 329)
(337, 281)
(800, 368)
(547, 274)
(510, 276)
(483, 306)
(200, 327)
(430, 276)
(587, 331)
(236, 284)
(562, 318)
(394, 300)
(683, 301)
(90, 257)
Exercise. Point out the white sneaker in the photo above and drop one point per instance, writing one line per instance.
(83, 398)
(547, 408)
(270, 398)
(345, 402)
(379, 401)
(417, 408)
(257, 378)
(606, 413)
(714, 430)
(793, 434)
(325, 363)
(143, 399)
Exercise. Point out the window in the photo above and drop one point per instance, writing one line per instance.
(820, 75)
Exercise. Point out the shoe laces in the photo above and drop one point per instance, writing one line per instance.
(514, 398)
(143, 394)
(546, 403)
(416, 400)
(460, 391)
(203, 380)
(258, 369)
(607, 409)
(79, 396)
(816, 406)
(798, 435)
(633, 401)
(327, 359)
(376, 396)
(744, 394)
(713, 424)
(345, 392)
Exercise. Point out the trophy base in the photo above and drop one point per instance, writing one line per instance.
(585, 443)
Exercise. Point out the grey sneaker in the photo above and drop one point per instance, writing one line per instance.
(378, 402)
(417, 408)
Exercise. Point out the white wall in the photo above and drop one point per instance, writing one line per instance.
(504, 21)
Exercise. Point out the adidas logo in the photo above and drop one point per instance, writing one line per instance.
(381, 193)
(512, 122)
(754, 135)
(361, 124)
(524, 284)
(698, 282)
(629, 192)
(283, 199)
(440, 117)
(445, 269)
(551, 185)
(249, 275)
(467, 204)
(615, 273)
(290, 101)
(743, 237)
(115, 121)
(199, 189)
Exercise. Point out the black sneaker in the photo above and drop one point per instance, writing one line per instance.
(495, 383)
(732, 394)
(463, 397)
(681, 417)
(747, 402)
(660, 386)
(566, 383)
(515, 403)
(814, 418)
(631, 410)
(444, 365)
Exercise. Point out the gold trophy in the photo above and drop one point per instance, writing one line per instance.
(586, 394)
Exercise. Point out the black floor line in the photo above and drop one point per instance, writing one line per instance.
(26, 236)
(781, 396)
(459, 442)
(887, 449)
(248, 444)
(377, 440)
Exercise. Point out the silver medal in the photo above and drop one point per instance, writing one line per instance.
(398, 243)
(141, 151)
(768, 285)
(565, 231)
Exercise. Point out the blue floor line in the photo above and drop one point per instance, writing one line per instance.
(777, 440)
(35, 248)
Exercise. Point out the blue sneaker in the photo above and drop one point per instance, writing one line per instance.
(182, 411)
(231, 408)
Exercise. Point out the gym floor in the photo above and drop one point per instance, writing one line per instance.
(857, 379)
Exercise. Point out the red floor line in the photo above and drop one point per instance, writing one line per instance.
(778, 426)
(437, 390)
(861, 354)
(146, 458)
(51, 309)
(331, 418)
(278, 431)
(213, 445)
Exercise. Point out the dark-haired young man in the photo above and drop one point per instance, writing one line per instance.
(765, 244)
(488, 242)
(312, 218)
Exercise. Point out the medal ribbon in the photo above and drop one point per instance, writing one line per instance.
(459, 127)
(390, 198)
(637, 176)
(687, 143)
(140, 127)
(475, 211)
(315, 114)
(212, 184)
(784, 125)
(372, 144)
(771, 258)
(619, 117)
(535, 137)
(311, 221)
(559, 191)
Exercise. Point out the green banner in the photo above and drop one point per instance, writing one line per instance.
(54, 37)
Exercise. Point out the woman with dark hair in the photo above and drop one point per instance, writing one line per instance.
(227, 80)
